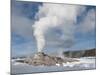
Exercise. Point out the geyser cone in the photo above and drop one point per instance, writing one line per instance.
(41, 58)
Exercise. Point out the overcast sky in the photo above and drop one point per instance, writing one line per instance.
(25, 14)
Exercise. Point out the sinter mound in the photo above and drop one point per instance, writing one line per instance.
(43, 59)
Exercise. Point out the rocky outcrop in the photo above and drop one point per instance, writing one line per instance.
(43, 59)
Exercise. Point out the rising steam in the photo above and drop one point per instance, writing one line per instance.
(55, 15)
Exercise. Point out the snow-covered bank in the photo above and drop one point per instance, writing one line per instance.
(82, 64)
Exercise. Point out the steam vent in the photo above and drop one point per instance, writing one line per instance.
(41, 58)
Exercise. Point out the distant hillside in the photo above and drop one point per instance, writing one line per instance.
(83, 53)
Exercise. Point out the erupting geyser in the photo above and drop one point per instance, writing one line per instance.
(59, 16)
(40, 39)
(51, 16)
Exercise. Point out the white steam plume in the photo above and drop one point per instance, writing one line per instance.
(55, 15)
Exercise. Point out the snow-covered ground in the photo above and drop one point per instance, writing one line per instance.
(84, 63)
